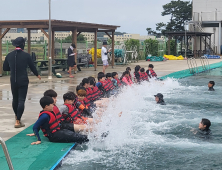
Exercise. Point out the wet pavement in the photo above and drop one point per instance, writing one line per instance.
(61, 86)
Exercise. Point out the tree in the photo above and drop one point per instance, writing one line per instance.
(81, 38)
(151, 47)
(179, 11)
(68, 39)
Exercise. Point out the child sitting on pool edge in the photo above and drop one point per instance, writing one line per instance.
(211, 86)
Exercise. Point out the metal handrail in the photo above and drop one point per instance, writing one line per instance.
(4, 147)
(192, 65)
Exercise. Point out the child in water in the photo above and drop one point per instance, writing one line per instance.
(159, 99)
(204, 128)
(211, 86)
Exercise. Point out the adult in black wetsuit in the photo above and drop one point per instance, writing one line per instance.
(211, 86)
(17, 62)
(159, 99)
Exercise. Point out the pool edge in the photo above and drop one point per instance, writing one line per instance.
(186, 73)
(58, 163)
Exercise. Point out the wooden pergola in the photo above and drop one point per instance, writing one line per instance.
(58, 25)
(204, 38)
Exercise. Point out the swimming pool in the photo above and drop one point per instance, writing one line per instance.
(150, 136)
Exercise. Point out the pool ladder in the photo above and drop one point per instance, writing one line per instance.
(4, 147)
(205, 63)
(192, 64)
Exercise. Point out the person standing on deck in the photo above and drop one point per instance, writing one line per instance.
(17, 62)
(104, 54)
(71, 60)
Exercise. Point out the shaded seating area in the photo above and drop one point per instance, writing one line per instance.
(201, 43)
(58, 25)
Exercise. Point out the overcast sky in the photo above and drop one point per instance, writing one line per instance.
(134, 16)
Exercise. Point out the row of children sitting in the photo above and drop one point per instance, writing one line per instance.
(73, 120)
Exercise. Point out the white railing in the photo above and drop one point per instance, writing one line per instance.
(207, 16)
(2, 142)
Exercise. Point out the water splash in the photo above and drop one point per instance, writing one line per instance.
(146, 133)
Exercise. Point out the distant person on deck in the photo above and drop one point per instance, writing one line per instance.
(104, 54)
(71, 60)
(17, 62)
(211, 86)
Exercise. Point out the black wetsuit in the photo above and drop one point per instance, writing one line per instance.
(211, 89)
(161, 102)
(17, 62)
(204, 132)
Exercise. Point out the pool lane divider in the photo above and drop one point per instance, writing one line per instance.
(186, 73)
(48, 155)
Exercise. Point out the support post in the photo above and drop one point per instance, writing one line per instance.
(61, 49)
(95, 50)
(219, 41)
(1, 69)
(205, 43)
(7, 47)
(181, 45)
(200, 43)
(113, 42)
(210, 42)
(187, 42)
(53, 47)
(74, 40)
(168, 43)
(195, 45)
(29, 41)
(175, 45)
(45, 49)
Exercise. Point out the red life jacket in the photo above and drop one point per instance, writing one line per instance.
(53, 123)
(58, 114)
(119, 83)
(86, 102)
(89, 93)
(129, 81)
(153, 73)
(72, 115)
(143, 76)
(111, 83)
(107, 85)
(96, 93)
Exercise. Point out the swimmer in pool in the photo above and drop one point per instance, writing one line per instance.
(204, 126)
(211, 86)
(159, 99)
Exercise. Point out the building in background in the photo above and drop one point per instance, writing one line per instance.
(37, 35)
(207, 17)
(124, 37)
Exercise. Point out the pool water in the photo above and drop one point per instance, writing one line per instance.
(151, 136)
